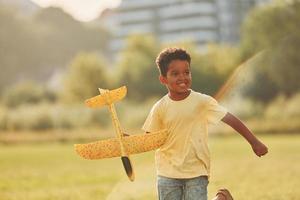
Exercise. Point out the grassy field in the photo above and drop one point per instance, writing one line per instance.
(53, 171)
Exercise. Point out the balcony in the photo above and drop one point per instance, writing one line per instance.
(187, 9)
(201, 22)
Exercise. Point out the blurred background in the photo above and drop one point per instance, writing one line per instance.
(55, 54)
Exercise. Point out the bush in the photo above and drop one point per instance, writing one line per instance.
(133, 115)
(244, 108)
(51, 116)
(26, 93)
(284, 108)
(86, 73)
(76, 116)
(3, 118)
(29, 118)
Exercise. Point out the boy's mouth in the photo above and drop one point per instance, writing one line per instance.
(183, 85)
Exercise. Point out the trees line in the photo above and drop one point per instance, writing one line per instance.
(273, 28)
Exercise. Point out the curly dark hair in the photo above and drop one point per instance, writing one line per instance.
(166, 56)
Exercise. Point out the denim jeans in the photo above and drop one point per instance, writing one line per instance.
(182, 189)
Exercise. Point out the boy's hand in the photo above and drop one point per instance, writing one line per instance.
(125, 134)
(259, 148)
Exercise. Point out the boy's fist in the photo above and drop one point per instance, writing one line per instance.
(259, 148)
(125, 134)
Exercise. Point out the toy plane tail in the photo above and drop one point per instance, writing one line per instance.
(109, 97)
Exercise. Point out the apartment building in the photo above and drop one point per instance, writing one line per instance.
(201, 21)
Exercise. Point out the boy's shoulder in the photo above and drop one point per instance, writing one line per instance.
(202, 96)
(196, 96)
(161, 101)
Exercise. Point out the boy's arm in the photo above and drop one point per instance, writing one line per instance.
(258, 147)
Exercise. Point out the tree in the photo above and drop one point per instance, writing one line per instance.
(275, 28)
(62, 37)
(212, 68)
(32, 48)
(85, 74)
(137, 69)
(27, 92)
(18, 45)
(261, 86)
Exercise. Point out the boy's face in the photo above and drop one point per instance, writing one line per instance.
(178, 79)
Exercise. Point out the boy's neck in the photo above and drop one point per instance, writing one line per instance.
(179, 96)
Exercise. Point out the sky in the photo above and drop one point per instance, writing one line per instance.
(82, 10)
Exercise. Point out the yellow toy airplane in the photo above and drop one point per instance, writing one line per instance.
(120, 146)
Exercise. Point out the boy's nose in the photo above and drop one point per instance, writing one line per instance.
(183, 76)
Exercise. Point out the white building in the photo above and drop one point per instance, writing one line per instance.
(201, 21)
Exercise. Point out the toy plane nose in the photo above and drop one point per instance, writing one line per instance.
(128, 167)
(102, 99)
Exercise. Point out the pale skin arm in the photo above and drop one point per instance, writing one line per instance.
(258, 147)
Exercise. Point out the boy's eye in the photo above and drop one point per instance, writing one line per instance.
(187, 72)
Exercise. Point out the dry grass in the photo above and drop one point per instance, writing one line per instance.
(53, 171)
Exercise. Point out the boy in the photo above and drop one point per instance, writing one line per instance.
(183, 162)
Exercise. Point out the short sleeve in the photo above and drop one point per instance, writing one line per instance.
(153, 121)
(215, 112)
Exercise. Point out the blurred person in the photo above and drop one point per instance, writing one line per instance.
(183, 162)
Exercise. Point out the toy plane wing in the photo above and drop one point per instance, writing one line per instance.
(132, 144)
(101, 100)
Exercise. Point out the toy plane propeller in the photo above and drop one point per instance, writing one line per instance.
(120, 146)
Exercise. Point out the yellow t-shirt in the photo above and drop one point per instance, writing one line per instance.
(185, 153)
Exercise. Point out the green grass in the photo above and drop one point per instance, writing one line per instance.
(54, 171)
(273, 177)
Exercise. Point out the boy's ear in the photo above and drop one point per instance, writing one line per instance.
(162, 79)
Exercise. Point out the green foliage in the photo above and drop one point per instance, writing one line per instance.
(133, 115)
(47, 116)
(267, 26)
(26, 93)
(35, 47)
(3, 118)
(63, 37)
(18, 47)
(29, 118)
(78, 116)
(85, 74)
(213, 67)
(262, 87)
(291, 107)
(275, 28)
(284, 66)
(137, 69)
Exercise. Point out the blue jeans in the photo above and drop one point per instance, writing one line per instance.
(182, 189)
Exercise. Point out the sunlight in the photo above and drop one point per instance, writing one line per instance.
(79, 9)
